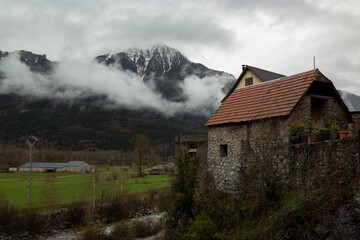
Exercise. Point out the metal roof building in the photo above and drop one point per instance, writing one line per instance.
(72, 166)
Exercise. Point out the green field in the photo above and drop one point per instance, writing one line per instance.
(68, 187)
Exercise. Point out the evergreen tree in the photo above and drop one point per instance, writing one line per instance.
(183, 191)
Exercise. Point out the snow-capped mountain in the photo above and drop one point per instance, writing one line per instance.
(162, 66)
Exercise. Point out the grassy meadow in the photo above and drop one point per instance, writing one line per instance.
(69, 187)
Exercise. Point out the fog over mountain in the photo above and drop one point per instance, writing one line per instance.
(101, 104)
(104, 102)
(159, 78)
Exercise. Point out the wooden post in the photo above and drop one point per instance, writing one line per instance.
(94, 193)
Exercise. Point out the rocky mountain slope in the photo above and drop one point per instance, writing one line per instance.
(83, 123)
(162, 66)
(37, 63)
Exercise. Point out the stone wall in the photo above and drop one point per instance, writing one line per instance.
(225, 170)
(310, 165)
(193, 141)
(333, 110)
(241, 139)
(302, 112)
(356, 118)
(279, 167)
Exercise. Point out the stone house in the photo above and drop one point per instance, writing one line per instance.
(258, 111)
(195, 144)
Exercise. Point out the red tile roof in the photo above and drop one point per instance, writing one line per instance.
(264, 100)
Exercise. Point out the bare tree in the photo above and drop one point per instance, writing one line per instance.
(142, 147)
(49, 193)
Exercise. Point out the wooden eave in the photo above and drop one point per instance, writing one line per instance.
(321, 78)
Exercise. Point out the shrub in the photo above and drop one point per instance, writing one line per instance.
(138, 175)
(203, 228)
(117, 209)
(91, 233)
(297, 127)
(137, 202)
(142, 229)
(333, 126)
(32, 221)
(121, 231)
(136, 229)
(315, 131)
(88, 233)
(164, 197)
(76, 212)
(9, 216)
(115, 176)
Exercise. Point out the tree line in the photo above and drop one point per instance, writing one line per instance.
(143, 153)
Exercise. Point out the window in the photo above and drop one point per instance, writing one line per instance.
(248, 81)
(223, 150)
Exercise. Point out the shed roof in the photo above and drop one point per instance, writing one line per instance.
(43, 165)
(74, 163)
(264, 100)
(51, 164)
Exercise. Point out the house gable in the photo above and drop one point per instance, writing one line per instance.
(257, 75)
(247, 75)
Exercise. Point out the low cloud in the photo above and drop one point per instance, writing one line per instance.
(73, 80)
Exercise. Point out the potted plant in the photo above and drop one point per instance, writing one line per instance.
(323, 135)
(296, 130)
(314, 135)
(334, 130)
(343, 134)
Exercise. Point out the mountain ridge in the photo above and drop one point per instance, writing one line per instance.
(84, 124)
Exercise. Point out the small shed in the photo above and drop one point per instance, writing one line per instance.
(196, 144)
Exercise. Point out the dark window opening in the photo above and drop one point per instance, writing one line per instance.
(317, 114)
(223, 150)
(248, 81)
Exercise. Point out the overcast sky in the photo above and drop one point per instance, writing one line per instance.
(278, 35)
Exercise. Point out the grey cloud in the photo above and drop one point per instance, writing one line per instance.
(90, 26)
(279, 35)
